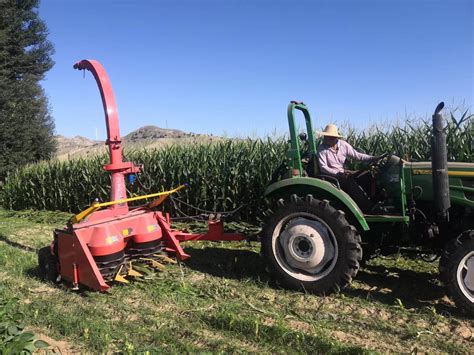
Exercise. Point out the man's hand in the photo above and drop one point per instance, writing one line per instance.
(380, 157)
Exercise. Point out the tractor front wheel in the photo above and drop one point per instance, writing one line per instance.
(457, 270)
(48, 269)
(309, 245)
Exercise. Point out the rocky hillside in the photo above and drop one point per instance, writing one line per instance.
(148, 133)
(75, 145)
(144, 137)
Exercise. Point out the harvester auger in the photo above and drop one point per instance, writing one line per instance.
(101, 244)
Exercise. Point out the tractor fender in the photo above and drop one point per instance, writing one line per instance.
(320, 189)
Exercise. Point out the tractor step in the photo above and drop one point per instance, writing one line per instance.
(386, 218)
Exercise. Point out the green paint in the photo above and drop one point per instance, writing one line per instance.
(320, 189)
(461, 187)
(400, 180)
(294, 153)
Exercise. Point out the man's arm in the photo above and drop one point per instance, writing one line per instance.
(323, 163)
(354, 154)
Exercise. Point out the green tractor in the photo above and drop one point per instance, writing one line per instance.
(316, 237)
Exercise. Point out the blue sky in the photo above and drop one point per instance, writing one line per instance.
(231, 67)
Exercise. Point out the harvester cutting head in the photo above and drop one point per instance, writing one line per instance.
(100, 243)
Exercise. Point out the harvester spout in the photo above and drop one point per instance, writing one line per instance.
(117, 167)
(439, 157)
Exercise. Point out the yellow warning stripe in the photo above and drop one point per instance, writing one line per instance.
(450, 173)
(96, 206)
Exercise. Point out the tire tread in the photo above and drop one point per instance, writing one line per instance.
(350, 253)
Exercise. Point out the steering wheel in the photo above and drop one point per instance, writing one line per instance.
(374, 162)
(378, 159)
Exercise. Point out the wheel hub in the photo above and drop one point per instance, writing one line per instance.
(307, 245)
(465, 275)
(469, 278)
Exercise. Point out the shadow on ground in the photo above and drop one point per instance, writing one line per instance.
(31, 272)
(387, 285)
(229, 263)
(11, 243)
(404, 287)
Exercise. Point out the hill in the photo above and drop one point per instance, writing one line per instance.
(144, 137)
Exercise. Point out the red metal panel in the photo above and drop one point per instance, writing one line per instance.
(171, 242)
(74, 254)
(215, 233)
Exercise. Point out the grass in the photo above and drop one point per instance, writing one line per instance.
(221, 300)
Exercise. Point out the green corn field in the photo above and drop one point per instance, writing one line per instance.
(222, 176)
(412, 141)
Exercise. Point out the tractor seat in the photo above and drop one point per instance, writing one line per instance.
(314, 171)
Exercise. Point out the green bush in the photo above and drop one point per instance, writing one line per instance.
(13, 339)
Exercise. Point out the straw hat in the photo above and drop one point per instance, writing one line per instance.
(330, 131)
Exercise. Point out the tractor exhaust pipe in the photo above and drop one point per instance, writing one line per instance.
(439, 167)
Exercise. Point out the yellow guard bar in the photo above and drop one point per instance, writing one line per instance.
(96, 206)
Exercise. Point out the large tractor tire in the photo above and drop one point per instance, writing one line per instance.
(48, 269)
(456, 268)
(310, 246)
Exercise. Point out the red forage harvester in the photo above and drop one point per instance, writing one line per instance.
(100, 244)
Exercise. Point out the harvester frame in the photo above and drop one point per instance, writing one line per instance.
(100, 244)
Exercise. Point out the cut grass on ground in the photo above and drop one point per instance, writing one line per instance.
(222, 300)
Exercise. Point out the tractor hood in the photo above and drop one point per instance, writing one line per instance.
(461, 182)
(454, 168)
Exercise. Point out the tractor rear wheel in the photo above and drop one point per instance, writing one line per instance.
(457, 270)
(309, 245)
(48, 269)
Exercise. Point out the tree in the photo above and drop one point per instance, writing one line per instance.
(26, 126)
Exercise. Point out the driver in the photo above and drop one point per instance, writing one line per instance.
(332, 154)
